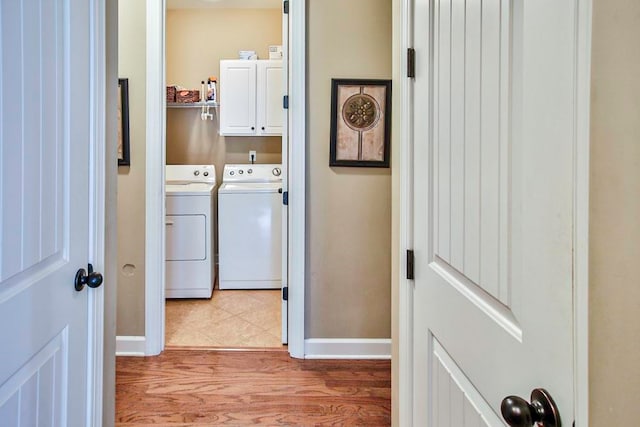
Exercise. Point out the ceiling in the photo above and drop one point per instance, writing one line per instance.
(224, 4)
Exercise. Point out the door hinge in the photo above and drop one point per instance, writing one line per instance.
(285, 293)
(285, 6)
(285, 102)
(410, 272)
(285, 198)
(411, 63)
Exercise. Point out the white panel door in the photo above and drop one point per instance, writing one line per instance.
(45, 135)
(270, 112)
(494, 132)
(237, 97)
(285, 179)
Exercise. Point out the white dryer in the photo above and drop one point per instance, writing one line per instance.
(250, 227)
(190, 231)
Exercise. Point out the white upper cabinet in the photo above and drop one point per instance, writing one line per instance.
(269, 110)
(251, 97)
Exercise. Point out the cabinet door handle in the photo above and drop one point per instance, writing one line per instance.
(253, 128)
(168, 223)
(262, 127)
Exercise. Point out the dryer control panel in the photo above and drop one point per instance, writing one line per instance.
(177, 174)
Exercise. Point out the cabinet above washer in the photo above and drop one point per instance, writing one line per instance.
(251, 92)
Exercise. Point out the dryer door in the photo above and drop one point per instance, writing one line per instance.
(186, 237)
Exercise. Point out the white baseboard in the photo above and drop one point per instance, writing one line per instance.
(347, 348)
(130, 346)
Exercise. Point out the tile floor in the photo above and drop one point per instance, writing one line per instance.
(231, 319)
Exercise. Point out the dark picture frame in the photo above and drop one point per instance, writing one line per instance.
(360, 123)
(124, 158)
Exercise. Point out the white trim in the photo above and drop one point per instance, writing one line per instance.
(581, 214)
(97, 212)
(131, 346)
(405, 291)
(284, 305)
(297, 174)
(347, 348)
(154, 194)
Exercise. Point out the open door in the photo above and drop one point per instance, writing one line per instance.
(494, 139)
(47, 91)
(285, 175)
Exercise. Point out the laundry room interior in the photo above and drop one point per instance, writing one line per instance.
(198, 35)
(197, 39)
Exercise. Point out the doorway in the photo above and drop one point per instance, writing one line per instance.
(202, 45)
(293, 180)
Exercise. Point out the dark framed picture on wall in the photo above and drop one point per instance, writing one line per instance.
(123, 123)
(360, 123)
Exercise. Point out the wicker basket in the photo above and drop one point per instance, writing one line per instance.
(184, 96)
(171, 94)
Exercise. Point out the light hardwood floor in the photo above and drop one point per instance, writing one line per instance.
(230, 319)
(242, 388)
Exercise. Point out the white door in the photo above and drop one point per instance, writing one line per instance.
(285, 178)
(45, 137)
(494, 134)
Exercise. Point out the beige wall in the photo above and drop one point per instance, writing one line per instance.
(196, 41)
(615, 215)
(348, 209)
(191, 140)
(131, 179)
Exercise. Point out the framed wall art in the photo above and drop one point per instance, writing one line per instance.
(360, 122)
(123, 123)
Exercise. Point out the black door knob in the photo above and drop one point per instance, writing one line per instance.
(541, 412)
(93, 279)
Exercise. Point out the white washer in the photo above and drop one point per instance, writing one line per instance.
(190, 224)
(250, 227)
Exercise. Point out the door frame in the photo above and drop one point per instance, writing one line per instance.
(102, 167)
(154, 185)
(154, 179)
(580, 217)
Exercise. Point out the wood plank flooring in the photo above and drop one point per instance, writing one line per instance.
(242, 388)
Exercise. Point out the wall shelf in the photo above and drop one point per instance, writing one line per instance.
(192, 104)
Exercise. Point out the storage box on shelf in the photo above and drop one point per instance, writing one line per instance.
(252, 93)
(187, 96)
(171, 94)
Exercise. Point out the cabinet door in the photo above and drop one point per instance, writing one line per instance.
(269, 108)
(237, 97)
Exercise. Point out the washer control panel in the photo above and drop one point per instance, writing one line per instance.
(252, 173)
